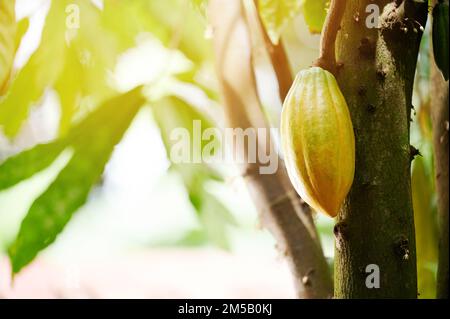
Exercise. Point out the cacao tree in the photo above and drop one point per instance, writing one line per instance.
(354, 112)
(382, 114)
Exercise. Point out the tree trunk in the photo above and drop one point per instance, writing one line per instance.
(440, 120)
(281, 210)
(375, 72)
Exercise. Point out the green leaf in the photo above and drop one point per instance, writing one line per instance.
(174, 22)
(93, 141)
(190, 76)
(172, 113)
(215, 217)
(275, 15)
(440, 37)
(76, 62)
(127, 32)
(37, 75)
(192, 238)
(182, 23)
(200, 5)
(92, 53)
(8, 28)
(22, 28)
(79, 81)
(70, 89)
(425, 220)
(315, 12)
(24, 165)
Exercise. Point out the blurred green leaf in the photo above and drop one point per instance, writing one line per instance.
(275, 14)
(315, 12)
(75, 61)
(7, 40)
(115, 11)
(90, 56)
(184, 28)
(93, 141)
(440, 37)
(22, 28)
(172, 113)
(70, 89)
(424, 122)
(192, 238)
(174, 22)
(24, 165)
(426, 227)
(38, 74)
(216, 217)
(190, 77)
(200, 5)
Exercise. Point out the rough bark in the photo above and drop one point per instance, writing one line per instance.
(440, 120)
(280, 209)
(376, 224)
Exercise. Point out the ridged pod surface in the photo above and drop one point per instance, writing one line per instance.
(318, 140)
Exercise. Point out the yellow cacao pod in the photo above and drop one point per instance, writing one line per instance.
(318, 140)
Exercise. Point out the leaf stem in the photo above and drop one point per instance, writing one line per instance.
(278, 58)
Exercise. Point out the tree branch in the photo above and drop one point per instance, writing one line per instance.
(278, 57)
(279, 206)
(327, 58)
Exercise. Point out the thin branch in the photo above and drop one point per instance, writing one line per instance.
(278, 57)
(327, 58)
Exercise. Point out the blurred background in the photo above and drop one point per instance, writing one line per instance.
(152, 229)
